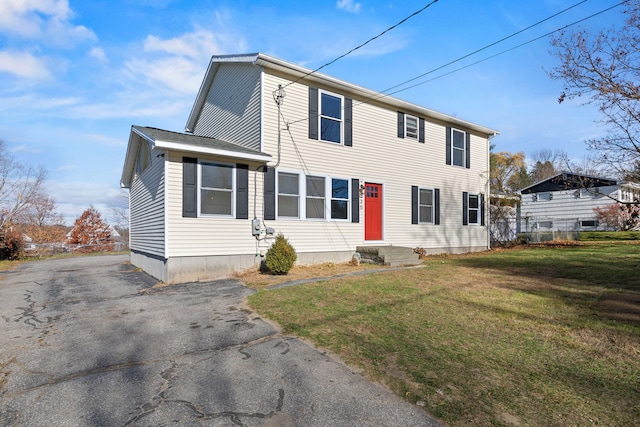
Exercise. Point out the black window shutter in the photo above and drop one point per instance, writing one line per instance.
(242, 191)
(467, 150)
(448, 138)
(465, 208)
(482, 209)
(348, 122)
(436, 206)
(189, 187)
(313, 113)
(400, 124)
(270, 194)
(355, 200)
(421, 130)
(414, 204)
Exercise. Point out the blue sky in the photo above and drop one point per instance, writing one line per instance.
(75, 75)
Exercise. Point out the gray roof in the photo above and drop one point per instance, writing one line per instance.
(158, 136)
(176, 141)
(309, 77)
(568, 181)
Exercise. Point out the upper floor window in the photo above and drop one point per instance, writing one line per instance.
(458, 148)
(411, 127)
(330, 118)
(216, 189)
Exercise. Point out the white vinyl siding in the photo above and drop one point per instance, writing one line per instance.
(566, 205)
(374, 158)
(147, 224)
(232, 108)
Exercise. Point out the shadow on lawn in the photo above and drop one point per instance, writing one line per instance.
(603, 278)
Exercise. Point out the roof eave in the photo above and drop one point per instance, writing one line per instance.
(180, 146)
(130, 158)
(287, 67)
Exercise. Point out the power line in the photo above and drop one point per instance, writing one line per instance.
(488, 46)
(363, 44)
(385, 93)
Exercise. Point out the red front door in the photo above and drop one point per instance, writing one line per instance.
(372, 211)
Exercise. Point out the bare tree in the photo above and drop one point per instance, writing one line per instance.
(19, 185)
(120, 211)
(605, 68)
(547, 163)
(41, 221)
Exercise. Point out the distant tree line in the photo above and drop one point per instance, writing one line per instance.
(29, 217)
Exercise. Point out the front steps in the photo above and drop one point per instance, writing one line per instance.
(393, 256)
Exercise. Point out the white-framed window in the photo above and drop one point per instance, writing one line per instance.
(217, 189)
(339, 198)
(425, 205)
(315, 197)
(331, 117)
(544, 224)
(458, 144)
(288, 195)
(544, 197)
(473, 208)
(410, 126)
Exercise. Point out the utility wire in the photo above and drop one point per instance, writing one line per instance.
(363, 44)
(385, 93)
(489, 57)
(487, 46)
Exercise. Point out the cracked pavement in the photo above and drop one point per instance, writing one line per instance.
(87, 342)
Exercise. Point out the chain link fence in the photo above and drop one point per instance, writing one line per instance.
(509, 231)
(48, 249)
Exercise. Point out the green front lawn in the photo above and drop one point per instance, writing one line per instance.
(535, 336)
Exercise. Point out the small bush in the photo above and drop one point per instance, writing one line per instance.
(11, 244)
(281, 256)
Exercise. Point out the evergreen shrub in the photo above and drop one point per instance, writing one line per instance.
(281, 256)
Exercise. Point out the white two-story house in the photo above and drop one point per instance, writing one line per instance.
(271, 147)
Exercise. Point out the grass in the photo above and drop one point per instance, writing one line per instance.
(589, 236)
(535, 336)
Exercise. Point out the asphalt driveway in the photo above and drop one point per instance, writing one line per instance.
(87, 342)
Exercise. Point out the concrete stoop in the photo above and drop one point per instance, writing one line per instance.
(394, 256)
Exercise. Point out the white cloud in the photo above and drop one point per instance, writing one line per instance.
(99, 54)
(25, 149)
(73, 198)
(348, 5)
(23, 65)
(47, 20)
(178, 63)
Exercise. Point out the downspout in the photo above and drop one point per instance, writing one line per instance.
(488, 191)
